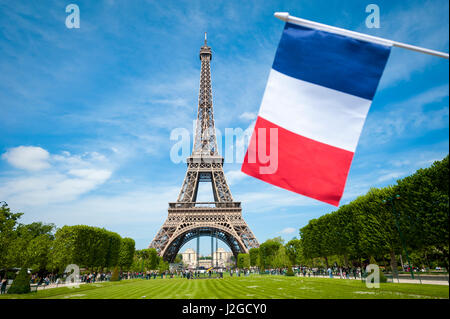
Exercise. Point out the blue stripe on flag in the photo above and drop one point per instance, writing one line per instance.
(331, 60)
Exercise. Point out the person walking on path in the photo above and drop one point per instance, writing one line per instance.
(3, 286)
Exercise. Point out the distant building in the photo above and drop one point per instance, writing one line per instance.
(221, 258)
(189, 258)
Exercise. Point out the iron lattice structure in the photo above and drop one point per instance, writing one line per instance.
(187, 218)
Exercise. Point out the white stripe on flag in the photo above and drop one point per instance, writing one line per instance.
(313, 111)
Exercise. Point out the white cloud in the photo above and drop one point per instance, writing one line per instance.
(234, 176)
(414, 115)
(51, 188)
(30, 158)
(391, 176)
(250, 116)
(288, 230)
(137, 206)
(91, 174)
(400, 163)
(65, 178)
(176, 102)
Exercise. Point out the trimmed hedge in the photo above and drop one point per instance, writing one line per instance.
(90, 247)
(21, 284)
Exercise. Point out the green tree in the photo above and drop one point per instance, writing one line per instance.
(147, 259)
(8, 224)
(31, 246)
(379, 234)
(64, 251)
(86, 246)
(38, 252)
(267, 252)
(137, 263)
(281, 259)
(423, 209)
(344, 233)
(254, 257)
(294, 251)
(163, 266)
(154, 259)
(126, 253)
(243, 261)
(21, 284)
(178, 259)
(113, 249)
(316, 239)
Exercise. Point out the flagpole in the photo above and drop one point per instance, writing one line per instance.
(360, 36)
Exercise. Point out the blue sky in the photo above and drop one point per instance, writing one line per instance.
(86, 114)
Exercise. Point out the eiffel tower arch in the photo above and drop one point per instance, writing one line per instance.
(188, 219)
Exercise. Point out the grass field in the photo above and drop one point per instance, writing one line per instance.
(252, 287)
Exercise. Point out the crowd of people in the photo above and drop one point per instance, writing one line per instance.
(92, 277)
(52, 279)
(302, 271)
(331, 272)
(179, 273)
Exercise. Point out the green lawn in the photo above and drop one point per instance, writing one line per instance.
(253, 287)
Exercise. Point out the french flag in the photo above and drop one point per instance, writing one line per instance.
(317, 97)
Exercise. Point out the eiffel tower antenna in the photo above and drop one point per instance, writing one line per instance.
(188, 219)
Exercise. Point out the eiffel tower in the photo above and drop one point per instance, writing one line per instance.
(189, 219)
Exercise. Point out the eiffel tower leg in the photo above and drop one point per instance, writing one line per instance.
(189, 189)
(212, 249)
(220, 186)
(198, 251)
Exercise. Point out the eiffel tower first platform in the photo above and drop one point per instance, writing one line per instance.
(189, 219)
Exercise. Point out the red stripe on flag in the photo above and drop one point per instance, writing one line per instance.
(305, 166)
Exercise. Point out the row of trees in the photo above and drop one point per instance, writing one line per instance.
(273, 253)
(368, 228)
(149, 260)
(39, 247)
(91, 247)
(417, 207)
